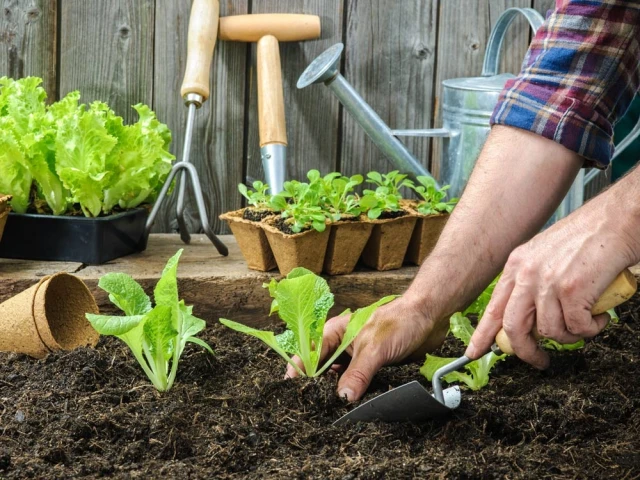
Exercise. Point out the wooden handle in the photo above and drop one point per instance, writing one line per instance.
(203, 31)
(620, 290)
(270, 93)
(286, 27)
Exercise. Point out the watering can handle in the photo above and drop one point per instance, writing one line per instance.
(491, 63)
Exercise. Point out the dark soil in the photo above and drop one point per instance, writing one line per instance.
(285, 227)
(92, 413)
(256, 215)
(389, 214)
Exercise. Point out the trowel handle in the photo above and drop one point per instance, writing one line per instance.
(272, 126)
(203, 31)
(619, 291)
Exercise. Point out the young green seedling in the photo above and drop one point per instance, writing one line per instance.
(432, 202)
(156, 335)
(258, 197)
(386, 197)
(338, 197)
(302, 301)
(301, 204)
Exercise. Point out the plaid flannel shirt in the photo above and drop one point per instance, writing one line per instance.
(579, 76)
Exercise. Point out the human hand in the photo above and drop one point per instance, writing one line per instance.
(395, 332)
(550, 284)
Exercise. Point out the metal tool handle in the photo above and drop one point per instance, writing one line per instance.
(619, 291)
(424, 132)
(272, 123)
(203, 31)
(491, 63)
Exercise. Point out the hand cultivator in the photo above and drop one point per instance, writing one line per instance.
(203, 29)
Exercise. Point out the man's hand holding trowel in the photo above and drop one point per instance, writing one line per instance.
(548, 124)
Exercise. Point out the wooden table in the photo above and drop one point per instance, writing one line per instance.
(217, 286)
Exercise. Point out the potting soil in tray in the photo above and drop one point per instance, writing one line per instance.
(92, 413)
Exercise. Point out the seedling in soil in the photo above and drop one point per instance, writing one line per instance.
(156, 336)
(433, 199)
(477, 375)
(339, 199)
(379, 201)
(392, 181)
(301, 205)
(302, 301)
(258, 197)
(385, 199)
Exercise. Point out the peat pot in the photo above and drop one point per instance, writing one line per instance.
(74, 239)
(388, 243)
(346, 243)
(305, 249)
(251, 240)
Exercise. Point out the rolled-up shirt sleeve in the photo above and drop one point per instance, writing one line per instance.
(580, 75)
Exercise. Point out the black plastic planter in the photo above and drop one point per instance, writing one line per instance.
(74, 239)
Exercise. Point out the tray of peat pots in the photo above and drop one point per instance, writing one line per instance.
(245, 224)
(432, 211)
(298, 235)
(393, 223)
(81, 181)
(350, 230)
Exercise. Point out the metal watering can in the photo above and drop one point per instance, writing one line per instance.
(467, 106)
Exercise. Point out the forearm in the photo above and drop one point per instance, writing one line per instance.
(519, 180)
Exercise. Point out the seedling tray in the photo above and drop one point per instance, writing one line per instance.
(74, 239)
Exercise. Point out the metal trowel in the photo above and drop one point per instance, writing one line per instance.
(412, 402)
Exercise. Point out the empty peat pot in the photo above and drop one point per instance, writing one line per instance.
(47, 317)
(252, 241)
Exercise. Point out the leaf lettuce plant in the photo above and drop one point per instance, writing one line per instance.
(302, 301)
(156, 335)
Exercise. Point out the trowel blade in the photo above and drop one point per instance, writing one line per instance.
(410, 402)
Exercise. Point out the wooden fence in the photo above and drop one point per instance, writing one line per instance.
(130, 51)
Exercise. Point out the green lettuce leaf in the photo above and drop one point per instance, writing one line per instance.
(125, 293)
(113, 325)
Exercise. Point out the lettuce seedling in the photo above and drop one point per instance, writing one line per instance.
(258, 197)
(433, 199)
(302, 301)
(380, 200)
(301, 204)
(477, 374)
(392, 181)
(338, 196)
(156, 335)
(386, 197)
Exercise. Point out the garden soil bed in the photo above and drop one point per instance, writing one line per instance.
(91, 413)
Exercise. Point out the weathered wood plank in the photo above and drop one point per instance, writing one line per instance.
(106, 52)
(464, 28)
(217, 146)
(312, 114)
(390, 59)
(28, 41)
(217, 286)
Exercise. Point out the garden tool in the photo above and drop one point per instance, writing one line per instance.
(411, 402)
(203, 27)
(268, 30)
(467, 105)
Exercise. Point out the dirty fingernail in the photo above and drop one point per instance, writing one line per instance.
(346, 393)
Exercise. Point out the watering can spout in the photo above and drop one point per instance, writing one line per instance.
(325, 69)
